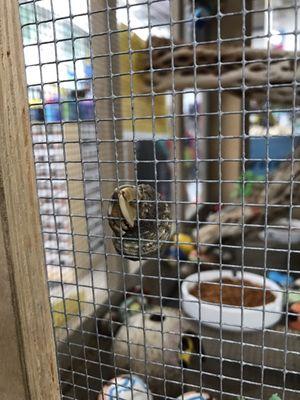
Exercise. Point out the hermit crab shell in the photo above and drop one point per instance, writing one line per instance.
(159, 343)
(125, 387)
(195, 396)
(139, 219)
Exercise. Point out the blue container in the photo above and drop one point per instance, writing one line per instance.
(281, 278)
(52, 112)
(280, 147)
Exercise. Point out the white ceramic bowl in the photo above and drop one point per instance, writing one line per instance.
(233, 318)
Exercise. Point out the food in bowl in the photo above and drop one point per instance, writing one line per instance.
(235, 292)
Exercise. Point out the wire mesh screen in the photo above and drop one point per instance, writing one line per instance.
(165, 137)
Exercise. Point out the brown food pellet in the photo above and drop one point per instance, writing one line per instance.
(232, 293)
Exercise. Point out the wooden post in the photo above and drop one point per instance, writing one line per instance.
(231, 123)
(231, 148)
(28, 361)
(177, 10)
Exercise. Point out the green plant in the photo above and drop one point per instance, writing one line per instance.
(246, 184)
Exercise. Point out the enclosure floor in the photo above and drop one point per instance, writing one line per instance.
(86, 372)
(231, 387)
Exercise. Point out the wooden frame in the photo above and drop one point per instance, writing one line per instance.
(28, 360)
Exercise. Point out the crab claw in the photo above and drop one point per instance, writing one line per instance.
(126, 197)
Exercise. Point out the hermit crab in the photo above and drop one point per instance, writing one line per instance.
(139, 219)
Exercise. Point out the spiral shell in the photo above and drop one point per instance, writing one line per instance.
(139, 219)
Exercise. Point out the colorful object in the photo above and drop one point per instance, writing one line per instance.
(281, 278)
(246, 186)
(125, 387)
(188, 349)
(174, 253)
(185, 242)
(294, 320)
(181, 248)
(275, 397)
(52, 111)
(195, 396)
(293, 297)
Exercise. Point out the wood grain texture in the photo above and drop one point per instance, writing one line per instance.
(28, 363)
(107, 133)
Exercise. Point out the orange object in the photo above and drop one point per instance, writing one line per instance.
(294, 320)
(295, 325)
(295, 308)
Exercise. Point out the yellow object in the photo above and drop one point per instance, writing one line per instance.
(189, 348)
(67, 309)
(135, 306)
(139, 106)
(183, 242)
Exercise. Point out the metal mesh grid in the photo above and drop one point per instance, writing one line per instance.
(93, 128)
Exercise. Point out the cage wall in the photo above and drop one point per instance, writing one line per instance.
(173, 127)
